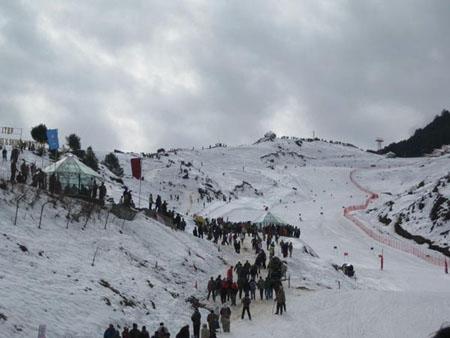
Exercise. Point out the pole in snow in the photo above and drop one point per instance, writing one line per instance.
(446, 266)
(381, 260)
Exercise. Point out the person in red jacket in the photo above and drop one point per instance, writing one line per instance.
(230, 274)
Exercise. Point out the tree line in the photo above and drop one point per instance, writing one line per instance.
(424, 141)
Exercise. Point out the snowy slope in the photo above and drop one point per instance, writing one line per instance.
(60, 288)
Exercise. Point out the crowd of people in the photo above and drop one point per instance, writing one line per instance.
(134, 332)
(286, 230)
(161, 207)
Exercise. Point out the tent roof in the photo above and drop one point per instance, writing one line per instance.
(71, 164)
(269, 218)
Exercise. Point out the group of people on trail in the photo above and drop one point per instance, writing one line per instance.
(286, 249)
(134, 332)
(161, 208)
(20, 174)
(245, 280)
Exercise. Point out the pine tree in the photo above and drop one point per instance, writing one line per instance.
(90, 159)
(73, 141)
(39, 133)
(112, 163)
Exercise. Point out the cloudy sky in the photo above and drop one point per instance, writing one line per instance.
(137, 75)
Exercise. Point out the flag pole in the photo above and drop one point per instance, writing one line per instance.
(140, 182)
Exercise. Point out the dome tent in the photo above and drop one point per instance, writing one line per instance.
(72, 172)
(269, 219)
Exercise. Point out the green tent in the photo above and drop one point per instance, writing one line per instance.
(72, 172)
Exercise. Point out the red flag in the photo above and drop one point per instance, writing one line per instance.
(136, 168)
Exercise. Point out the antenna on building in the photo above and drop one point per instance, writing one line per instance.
(379, 141)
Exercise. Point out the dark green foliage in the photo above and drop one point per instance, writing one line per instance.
(425, 140)
(39, 133)
(90, 159)
(73, 141)
(112, 163)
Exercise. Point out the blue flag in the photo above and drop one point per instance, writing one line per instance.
(52, 139)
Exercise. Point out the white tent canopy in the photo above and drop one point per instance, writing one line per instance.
(72, 172)
(269, 219)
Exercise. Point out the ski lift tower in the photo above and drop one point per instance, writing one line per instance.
(379, 141)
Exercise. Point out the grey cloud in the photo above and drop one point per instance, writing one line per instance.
(139, 74)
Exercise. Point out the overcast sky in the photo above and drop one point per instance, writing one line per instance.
(137, 75)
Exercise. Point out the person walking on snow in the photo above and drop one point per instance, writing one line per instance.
(281, 301)
(196, 321)
(211, 289)
(252, 285)
(246, 301)
(212, 319)
(260, 285)
(225, 318)
(291, 247)
(230, 274)
(205, 332)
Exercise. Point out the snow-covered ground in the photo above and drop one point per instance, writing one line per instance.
(53, 283)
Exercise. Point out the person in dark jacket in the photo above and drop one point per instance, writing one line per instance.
(261, 287)
(281, 301)
(110, 332)
(102, 192)
(246, 307)
(135, 333)
(125, 333)
(163, 332)
(13, 171)
(211, 319)
(196, 322)
(211, 289)
(184, 332)
(144, 333)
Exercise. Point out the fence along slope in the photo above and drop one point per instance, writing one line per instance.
(392, 242)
